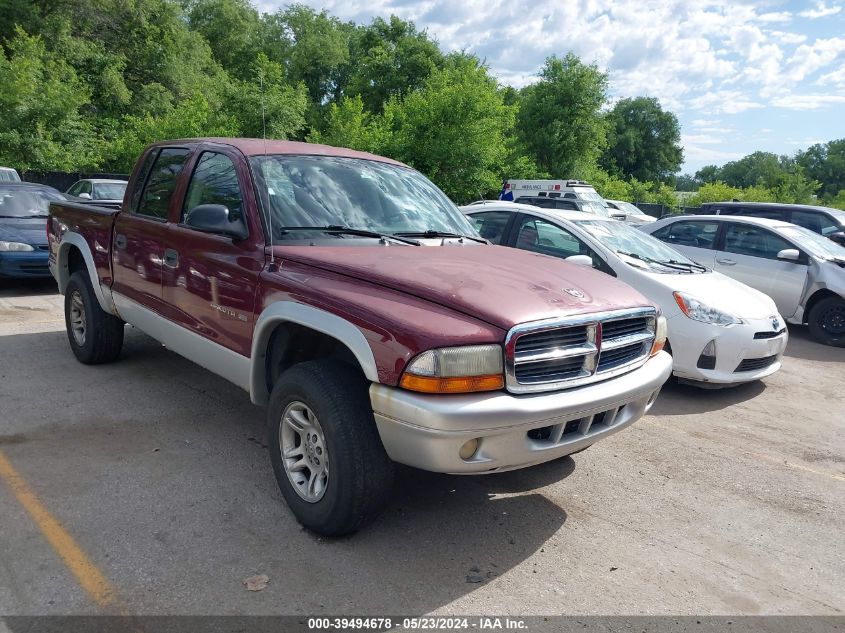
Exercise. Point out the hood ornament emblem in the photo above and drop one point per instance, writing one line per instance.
(775, 323)
(574, 292)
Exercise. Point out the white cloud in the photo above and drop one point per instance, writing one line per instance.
(783, 16)
(723, 102)
(821, 11)
(808, 58)
(808, 101)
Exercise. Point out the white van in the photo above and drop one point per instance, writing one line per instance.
(513, 190)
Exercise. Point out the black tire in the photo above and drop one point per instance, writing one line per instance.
(102, 337)
(827, 321)
(360, 474)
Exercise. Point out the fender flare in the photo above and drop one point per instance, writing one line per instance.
(69, 239)
(311, 317)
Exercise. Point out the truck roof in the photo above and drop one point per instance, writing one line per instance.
(261, 147)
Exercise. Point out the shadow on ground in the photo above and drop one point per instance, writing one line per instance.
(162, 471)
(27, 287)
(802, 346)
(682, 399)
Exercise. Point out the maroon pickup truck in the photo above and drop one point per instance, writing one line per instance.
(346, 293)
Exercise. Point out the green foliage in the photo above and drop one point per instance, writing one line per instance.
(42, 101)
(643, 140)
(453, 129)
(348, 124)
(560, 121)
(837, 201)
(825, 162)
(390, 59)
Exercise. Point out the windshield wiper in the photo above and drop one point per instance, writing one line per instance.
(336, 229)
(671, 265)
(687, 264)
(433, 233)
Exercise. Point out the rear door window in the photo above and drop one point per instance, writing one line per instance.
(161, 182)
(491, 225)
(817, 222)
(698, 234)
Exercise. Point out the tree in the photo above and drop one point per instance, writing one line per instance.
(453, 129)
(825, 162)
(707, 174)
(232, 29)
(643, 140)
(759, 168)
(390, 59)
(348, 124)
(560, 121)
(313, 47)
(42, 100)
(686, 182)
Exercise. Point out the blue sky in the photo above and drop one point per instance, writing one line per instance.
(740, 76)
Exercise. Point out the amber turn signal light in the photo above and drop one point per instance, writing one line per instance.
(452, 384)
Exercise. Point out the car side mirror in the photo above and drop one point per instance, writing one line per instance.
(84, 196)
(838, 237)
(214, 218)
(789, 255)
(581, 260)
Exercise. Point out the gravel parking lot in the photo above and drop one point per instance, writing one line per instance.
(718, 502)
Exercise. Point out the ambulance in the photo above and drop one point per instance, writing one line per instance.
(513, 190)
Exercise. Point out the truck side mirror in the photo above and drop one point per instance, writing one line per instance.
(789, 255)
(214, 218)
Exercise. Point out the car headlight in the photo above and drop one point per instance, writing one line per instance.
(456, 370)
(15, 246)
(661, 332)
(700, 311)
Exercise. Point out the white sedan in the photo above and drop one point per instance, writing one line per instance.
(720, 331)
(801, 270)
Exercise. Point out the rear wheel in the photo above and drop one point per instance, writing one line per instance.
(827, 321)
(325, 449)
(95, 336)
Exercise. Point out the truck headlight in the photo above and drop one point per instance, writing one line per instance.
(661, 331)
(455, 370)
(700, 311)
(17, 247)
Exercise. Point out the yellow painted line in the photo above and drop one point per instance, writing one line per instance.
(89, 576)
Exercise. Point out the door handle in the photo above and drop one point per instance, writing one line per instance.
(726, 262)
(171, 258)
(120, 241)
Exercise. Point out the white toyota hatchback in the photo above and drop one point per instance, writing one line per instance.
(720, 331)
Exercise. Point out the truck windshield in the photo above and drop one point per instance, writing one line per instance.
(322, 191)
(26, 203)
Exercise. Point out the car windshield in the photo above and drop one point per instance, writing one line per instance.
(815, 244)
(306, 191)
(9, 175)
(26, 203)
(590, 194)
(633, 243)
(109, 190)
(631, 209)
(595, 208)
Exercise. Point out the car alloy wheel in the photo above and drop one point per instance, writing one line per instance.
(304, 453)
(77, 317)
(832, 320)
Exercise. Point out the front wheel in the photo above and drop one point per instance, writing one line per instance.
(827, 321)
(325, 449)
(95, 336)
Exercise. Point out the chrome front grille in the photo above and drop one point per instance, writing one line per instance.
(562, 353)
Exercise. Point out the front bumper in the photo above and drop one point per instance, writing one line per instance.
(427, 431)
(734, 345)
(24, 264)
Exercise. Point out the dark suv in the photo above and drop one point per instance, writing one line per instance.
(822, 220)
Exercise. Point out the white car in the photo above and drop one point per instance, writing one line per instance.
(720, 331)
(7, 174)
(630, 213)
(801, 270)
(101, 189)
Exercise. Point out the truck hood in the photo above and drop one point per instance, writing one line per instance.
(31, 231)
(499, 285)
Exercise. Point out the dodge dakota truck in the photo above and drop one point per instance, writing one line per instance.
(350, 296)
